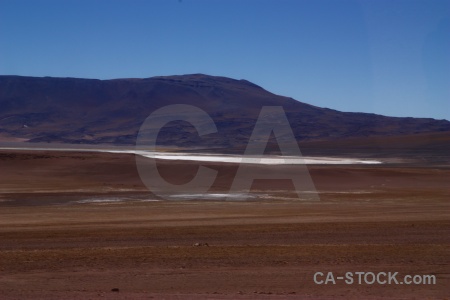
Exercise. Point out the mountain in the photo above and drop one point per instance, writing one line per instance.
(89, 111)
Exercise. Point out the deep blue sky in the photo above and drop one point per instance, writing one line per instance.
(388, 57)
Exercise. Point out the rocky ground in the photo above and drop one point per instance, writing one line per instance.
(57, 242)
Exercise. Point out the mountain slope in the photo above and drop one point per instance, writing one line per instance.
(73, 110)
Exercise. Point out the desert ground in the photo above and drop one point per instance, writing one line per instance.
(82, 225)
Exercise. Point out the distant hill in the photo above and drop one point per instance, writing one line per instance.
(89, 111)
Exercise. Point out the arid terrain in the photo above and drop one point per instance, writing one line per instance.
(80, 225)
(91, 111)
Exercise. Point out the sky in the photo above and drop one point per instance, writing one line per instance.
(389, 57)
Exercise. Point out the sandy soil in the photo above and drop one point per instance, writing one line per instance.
(384, 218)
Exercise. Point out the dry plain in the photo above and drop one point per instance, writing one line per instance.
(81, 225)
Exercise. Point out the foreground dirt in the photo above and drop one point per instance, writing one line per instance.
(391, 218)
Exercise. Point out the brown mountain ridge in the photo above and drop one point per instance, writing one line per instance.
(90, 111)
